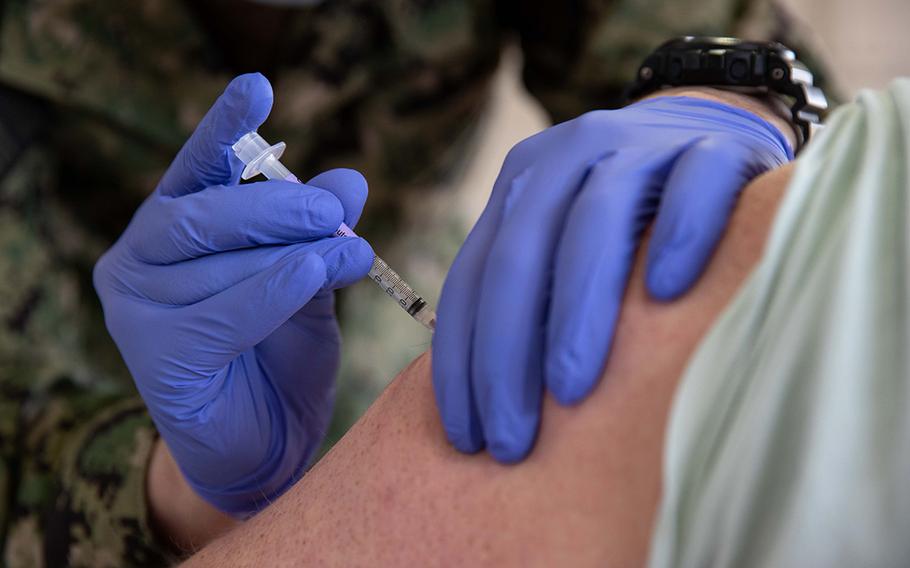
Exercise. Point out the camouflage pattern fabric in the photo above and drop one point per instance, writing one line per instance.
(73, 443)
(392, 88)
(76, 461)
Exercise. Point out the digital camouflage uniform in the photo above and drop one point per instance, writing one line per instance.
(392, 88)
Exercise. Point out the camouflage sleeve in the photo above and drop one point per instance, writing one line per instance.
(579, 56)
(74, 439)
(73, 472)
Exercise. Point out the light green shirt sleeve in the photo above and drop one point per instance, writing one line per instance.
(789, 438)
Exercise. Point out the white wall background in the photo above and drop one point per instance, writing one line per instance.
(869, 41)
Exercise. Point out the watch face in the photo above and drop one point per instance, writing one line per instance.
(715, 40)
(720, 42)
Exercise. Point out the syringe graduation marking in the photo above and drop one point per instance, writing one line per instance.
(394, 286)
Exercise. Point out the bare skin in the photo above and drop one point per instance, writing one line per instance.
(393, 492)
(178, 514)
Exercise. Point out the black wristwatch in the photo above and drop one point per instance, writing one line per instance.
(730, 63)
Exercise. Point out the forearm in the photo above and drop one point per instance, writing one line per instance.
(179, 515)
(74, 465)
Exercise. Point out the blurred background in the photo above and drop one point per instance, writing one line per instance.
(424, 97)
(864, 44)
(416, 94)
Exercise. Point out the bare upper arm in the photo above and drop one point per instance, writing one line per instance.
(393, 491)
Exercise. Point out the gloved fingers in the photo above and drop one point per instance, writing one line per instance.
(595, 256)
(223, 218)
(221, 327)
(349, 186)
(699, 196)
(455, 324)
(508, 342)
(310, 340)
(206, 159)
(451, 345)
(347, 260)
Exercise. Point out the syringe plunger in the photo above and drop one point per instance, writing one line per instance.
(255, 152)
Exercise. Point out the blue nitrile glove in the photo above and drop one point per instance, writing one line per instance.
(220, 300)
(533, 296)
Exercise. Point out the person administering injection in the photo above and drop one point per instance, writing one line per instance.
(219, 298)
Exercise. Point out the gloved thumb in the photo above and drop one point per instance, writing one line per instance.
(206, 159)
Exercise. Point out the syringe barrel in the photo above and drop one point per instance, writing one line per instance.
(394, 286)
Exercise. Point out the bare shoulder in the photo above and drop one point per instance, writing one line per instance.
(393, 491)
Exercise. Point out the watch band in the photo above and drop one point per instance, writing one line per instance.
(730, 63)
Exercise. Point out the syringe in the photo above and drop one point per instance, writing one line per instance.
(262, 158)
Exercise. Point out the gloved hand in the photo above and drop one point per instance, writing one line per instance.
(220, 300)
(533, 296)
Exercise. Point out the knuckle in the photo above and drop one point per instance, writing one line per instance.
(181, 231)
(204, 164)
(590, 124)
(106, 281)
(516, 154)
(738, 159)
(100, 273)
(717, 143)
(721, 146)
(519, 155)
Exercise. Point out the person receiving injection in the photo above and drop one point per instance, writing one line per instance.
(219, 296)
